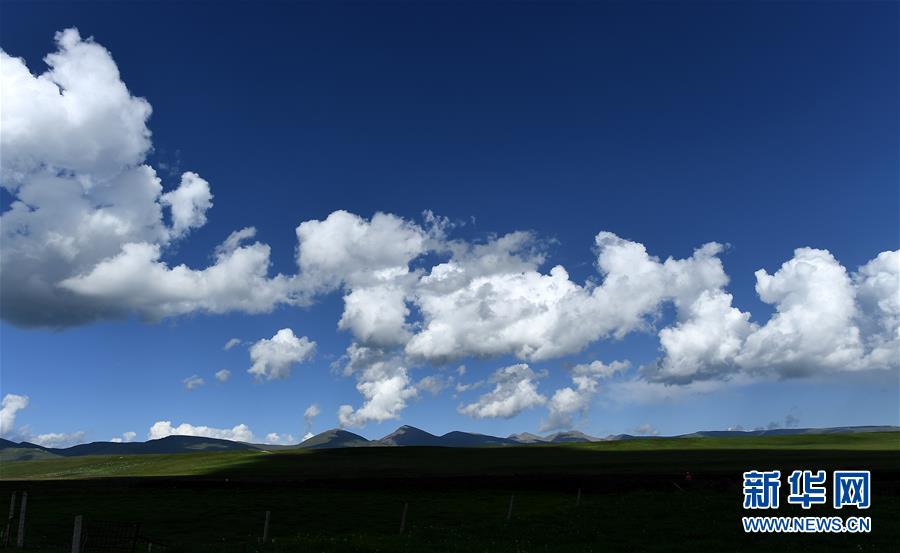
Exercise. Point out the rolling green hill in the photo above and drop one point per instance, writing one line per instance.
(25, 454)
(636, 455)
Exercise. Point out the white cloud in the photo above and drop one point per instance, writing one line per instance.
(161, 429)
(825, 321)
(188, 203)
(537, 316)
(77, 116)
(877, 283)
(273, 358)
(376, 315)
(59, 439)
(706, 341)
(273, 438)
(311, 413)
(309, 416)
(307, 436)
(85, 233)
(346, 249)
(233, 342)
(358, 358)
(598, 370)
(569, 402)
(466, 386)
(434, 383)
(193, 382)
(492, 316)
(515, 390)
(638, 391)
(137, 280)
(646, 429)
(385, 386)
(564, 404)
(813, 327)
(126, 437)
(370, 260)
(223, 375)
(10, 407)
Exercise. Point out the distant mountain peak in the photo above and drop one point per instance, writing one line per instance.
(408, 435)
(335, 437)
(408, 429)
(570, 436)
(527, 438)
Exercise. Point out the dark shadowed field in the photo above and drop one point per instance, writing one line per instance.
(634, 496)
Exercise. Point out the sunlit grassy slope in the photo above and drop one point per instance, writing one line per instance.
(656, 455)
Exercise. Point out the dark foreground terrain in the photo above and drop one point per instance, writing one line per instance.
(634, 497)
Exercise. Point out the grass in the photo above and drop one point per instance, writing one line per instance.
(716, 454)
(634, 496)
(112, 466)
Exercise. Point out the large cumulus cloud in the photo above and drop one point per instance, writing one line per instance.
(826, 320)
(90, 222)
(516, 309)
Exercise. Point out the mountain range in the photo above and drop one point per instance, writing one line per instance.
(402, 437)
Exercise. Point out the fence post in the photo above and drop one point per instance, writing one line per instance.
(403, 517)
(76, 535)
(20, 537)
(9, 520)
(578, 498)
(266, 527)
(135, 536)
(512, 499)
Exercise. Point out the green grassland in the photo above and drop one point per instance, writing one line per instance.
(712, 454)
(635, 496)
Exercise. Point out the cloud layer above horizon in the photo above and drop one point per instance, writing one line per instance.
(91, 229)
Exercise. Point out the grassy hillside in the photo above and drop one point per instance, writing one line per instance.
(24, 454)
(111, 466)
(654, 455)
(873, 441)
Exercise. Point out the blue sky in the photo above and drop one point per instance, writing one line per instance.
(761, 127)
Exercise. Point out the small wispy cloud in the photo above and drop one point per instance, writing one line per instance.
(232, 343)
(646, 429)
(192, 382)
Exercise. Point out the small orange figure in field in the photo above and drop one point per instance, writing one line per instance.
(688, 476)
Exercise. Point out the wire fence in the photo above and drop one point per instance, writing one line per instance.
(109, 537)
(91, 536)
(407, 522)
